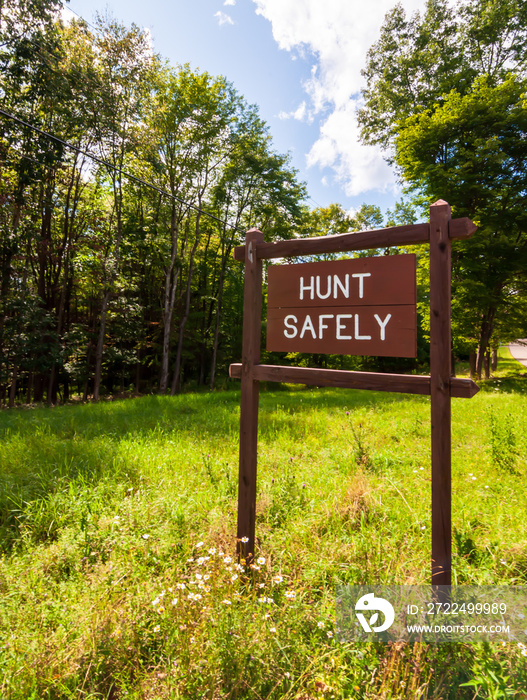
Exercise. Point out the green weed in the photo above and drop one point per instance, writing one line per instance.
(503, 441)
(115, 517)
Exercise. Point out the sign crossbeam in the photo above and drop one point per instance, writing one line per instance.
(440, 385)
(412, 234)
(460, 388)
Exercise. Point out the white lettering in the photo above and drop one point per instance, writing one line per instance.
(310, 288)
(361, 276)
(308, 326)
(321, 325)
(342, 326)
(328, 289)
(289, 322)
(358, 336)
(382, 325)
(345, 288)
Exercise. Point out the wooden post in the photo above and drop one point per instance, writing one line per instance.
(440, 385)
(252, 320)
(440, 370)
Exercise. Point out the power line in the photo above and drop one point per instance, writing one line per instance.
(69, 9)
(122, 172)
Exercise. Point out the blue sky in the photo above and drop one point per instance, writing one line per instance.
(298, 60)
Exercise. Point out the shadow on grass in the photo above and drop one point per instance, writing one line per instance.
(211, 414)
(48, 456)
(44, 451)
(510, 376)
(48, 482)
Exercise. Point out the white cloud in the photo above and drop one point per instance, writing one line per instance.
(223, 18)
(356, 167)
(301, 114)
(230, 3)
(336, 34)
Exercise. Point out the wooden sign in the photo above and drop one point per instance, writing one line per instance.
(334, 297)
(360, 306)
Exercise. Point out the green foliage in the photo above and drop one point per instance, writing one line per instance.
(446, 95)
(503, 441)
(495, 676)
(138, 290)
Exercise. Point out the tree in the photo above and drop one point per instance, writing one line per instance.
(125, 68)
(87, 243)
(418, 61)
(447, 97)
(258, 188)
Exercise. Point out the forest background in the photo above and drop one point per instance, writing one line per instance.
(116, 236)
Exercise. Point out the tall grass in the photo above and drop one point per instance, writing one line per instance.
(117, 528)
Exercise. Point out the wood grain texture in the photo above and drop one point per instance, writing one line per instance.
(382, 331)
(461, 228)
(252, 315)
(440, 382)
(380, 280)
(374, 381)
(362, 240)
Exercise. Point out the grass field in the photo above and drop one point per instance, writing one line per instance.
(118, 575)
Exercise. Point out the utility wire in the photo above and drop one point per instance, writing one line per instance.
(81, 17)
(122, 172)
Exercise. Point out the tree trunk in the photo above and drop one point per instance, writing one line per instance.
(216, 340)
(177, 368)
(12, 388)
(486, 363)
(494, 361)
(39, 388)
(487, 327)
(52, 388)
(472, 364)
(88, 363)
(100, 347)
(29, 387)
(171, 281)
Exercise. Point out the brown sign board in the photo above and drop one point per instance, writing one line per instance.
(360, 306)
(337, 295)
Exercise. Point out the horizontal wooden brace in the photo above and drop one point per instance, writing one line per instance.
(361, 240)
(399, 383)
